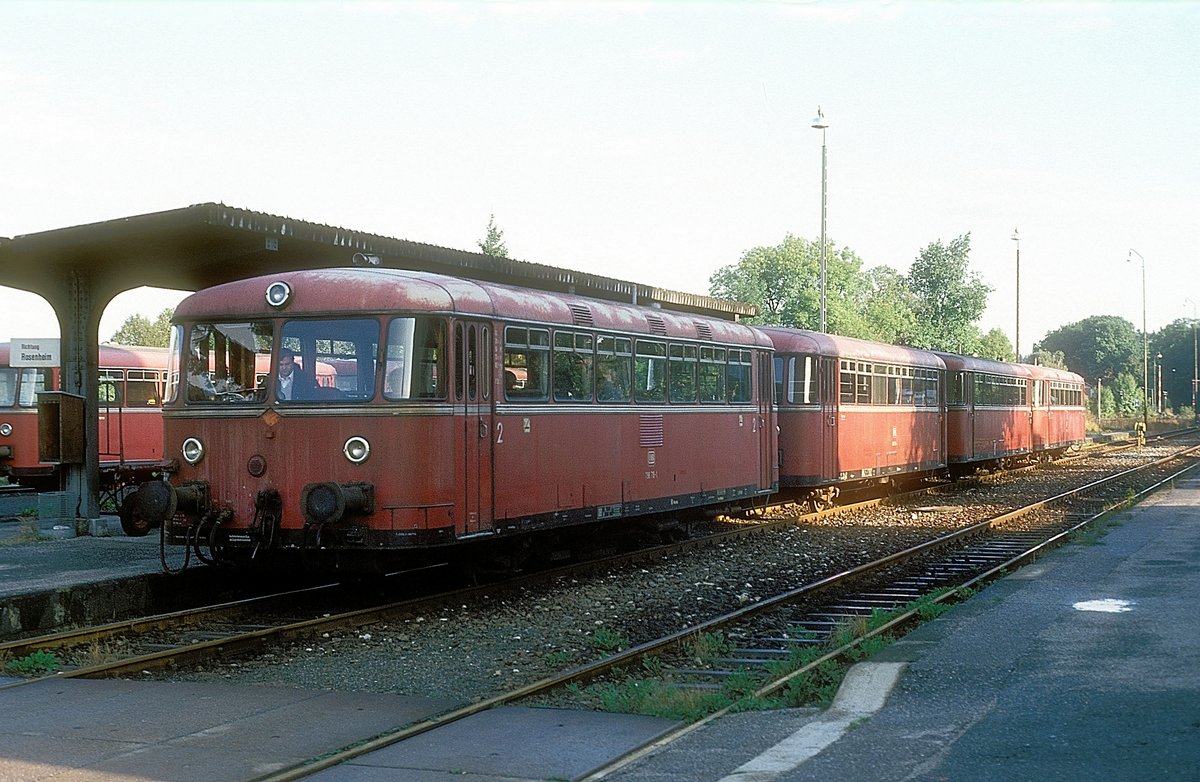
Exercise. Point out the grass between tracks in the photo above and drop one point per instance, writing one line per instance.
(656, 690)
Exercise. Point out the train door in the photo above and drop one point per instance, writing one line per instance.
(472, 390)
(768, 444)
(110, 390)
(829, 417)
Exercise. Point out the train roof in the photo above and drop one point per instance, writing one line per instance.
(790, 340)
(1051, 373)
(973, 364)
(112, 356)
(990, 366)
(337, 291)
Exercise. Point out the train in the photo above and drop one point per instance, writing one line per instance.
(445, 412)
(130, 444)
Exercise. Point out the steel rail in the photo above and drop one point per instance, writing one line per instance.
(246, 642)
(596, 668)
(897, 623)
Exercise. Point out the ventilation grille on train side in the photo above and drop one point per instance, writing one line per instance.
(703, 330)
(650, 431)
(656, 325)
(583, 316)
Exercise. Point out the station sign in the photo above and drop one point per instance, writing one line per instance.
(41, 352)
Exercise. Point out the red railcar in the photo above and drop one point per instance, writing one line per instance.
(1001, 413)
(1059, 411)
(130, 435)
(853, 412)
(460, 411)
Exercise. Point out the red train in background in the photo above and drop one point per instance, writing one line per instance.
(854, 413)
(130, 416)
(459, 411)
(1000, 413)
(446, 411)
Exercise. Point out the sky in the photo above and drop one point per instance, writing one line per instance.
(648, 141)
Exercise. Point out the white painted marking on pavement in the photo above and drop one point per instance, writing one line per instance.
(863, 692)
(1108, 605)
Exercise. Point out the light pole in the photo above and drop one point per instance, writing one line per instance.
(820, 124)
(1195, 360)
(1016, 238)
(1145, 345)
(1158, 378)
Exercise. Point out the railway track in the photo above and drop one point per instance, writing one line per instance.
(239, 628)
(830, 618)
(757, 645)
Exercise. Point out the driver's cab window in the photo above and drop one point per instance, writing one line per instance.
(225, 361)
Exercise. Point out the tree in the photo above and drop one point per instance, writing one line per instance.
(138, 330)
(950, 298)
(1128, 394)
(995, 345)
(1049, 358)
(1175, 342)
(493, 242)
(888, 307)
(784, 283)
(1102, 346)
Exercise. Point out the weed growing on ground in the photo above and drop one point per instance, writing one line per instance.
(35, 664)
(559, 658)
(609, 640)
(705, 647)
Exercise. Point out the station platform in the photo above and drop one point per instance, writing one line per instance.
(1083, 666)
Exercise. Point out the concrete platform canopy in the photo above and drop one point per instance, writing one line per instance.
(78, 270)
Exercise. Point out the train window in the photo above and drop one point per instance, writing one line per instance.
(8, 387)
(32, 381)
(739, 386)
(174, 352)
(802, 389)
(1000, 391)
(649, 372)
(681, 371)
(846, 384)
(222, 358)
(336, 360)
(109, 389)
(712, 375)
(958, 389)
(526, 363)
(574, 355)
(415, 359)
(613, 368)
(141, 388)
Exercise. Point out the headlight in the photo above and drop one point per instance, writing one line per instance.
(192, 450)
(279, 293)
(357, 449)
(5, 429)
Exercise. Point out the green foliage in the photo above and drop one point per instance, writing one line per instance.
(493, 242)
(784, 283)
(657, 698)
(995, 345)
(1102, 346)
(1049, 358)
(35, 664)
(950, 298)
(1128, 395)
(558, 658)
(1177, 341)
(707, 646)
(609, 640)
(138, 330)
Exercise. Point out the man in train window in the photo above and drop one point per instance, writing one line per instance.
(291, 381)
